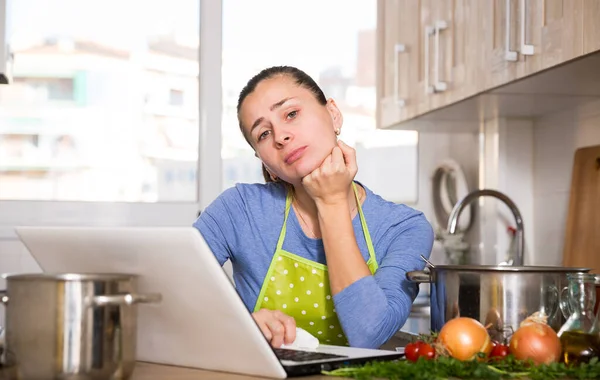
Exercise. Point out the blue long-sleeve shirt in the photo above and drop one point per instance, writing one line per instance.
(243, 225)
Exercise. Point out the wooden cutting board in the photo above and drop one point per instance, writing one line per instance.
(582, 239)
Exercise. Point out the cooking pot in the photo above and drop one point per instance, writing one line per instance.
(500, 297)
(71, 326)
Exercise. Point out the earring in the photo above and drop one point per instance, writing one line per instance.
(337, 131)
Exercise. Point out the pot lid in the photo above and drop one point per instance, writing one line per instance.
(507, 268)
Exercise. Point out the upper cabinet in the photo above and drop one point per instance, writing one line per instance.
(433, 53)
(526, 36)
(428, 56)
(398, 61)
(456, 50)
(591, 26)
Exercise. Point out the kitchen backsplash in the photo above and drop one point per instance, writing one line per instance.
(556, 138)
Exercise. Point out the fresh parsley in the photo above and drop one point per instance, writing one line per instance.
(448, 368)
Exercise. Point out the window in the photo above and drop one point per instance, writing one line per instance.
(104, 103)
(101, 113)
(50, 88)
(334, 41)
(176, 97)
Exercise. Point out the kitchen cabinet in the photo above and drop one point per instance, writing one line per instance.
(400, 61)
(557, 29)
(437, 53)
(428, 56)
(526, 36)
(591, 26)
(499, 35)
(457, 59)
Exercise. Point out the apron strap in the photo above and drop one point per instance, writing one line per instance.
(288, 203)
(372, 263)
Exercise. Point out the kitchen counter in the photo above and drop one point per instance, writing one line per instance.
(149, 371)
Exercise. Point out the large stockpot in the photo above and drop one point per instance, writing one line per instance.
(500, 297)
(71, 326)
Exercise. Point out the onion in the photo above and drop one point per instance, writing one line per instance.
(463, 338)
(536, 341)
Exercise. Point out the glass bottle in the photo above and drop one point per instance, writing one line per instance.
(580, 334)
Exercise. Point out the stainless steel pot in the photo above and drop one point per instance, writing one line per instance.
(71, 326)
(500, 297)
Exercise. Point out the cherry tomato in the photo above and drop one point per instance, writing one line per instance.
(411, 351)
(499, 351)
(427, 351)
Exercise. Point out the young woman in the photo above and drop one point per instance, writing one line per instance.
(312, 247)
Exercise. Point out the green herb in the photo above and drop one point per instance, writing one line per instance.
(449, 368)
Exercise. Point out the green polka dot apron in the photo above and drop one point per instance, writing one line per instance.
(300, 287)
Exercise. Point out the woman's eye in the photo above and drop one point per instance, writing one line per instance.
(263, 135)
(292, 115)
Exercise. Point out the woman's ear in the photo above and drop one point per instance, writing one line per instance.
(267, 174)
(336, 115)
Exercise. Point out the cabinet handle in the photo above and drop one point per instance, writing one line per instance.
(438, 85)
(398, 48)
(428, 32)
(526, 49)
(509, 55)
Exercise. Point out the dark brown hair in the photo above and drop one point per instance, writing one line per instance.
(299, 77)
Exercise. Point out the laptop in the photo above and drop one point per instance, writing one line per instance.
(201, 321)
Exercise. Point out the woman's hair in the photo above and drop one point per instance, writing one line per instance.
(297, 75)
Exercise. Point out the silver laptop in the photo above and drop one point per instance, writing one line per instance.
(201, 321)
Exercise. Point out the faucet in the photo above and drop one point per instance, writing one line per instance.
(520, 234)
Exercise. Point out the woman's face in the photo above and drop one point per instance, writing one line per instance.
(287, 127)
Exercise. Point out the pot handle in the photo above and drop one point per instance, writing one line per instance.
(565, 305)
(124, 299)
(419, 276)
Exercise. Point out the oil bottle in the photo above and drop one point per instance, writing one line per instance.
(580, 335)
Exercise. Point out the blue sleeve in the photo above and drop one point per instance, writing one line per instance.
(374, 308)
(217, 222)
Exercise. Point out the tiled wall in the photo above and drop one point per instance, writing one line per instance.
(556, 138)
(433, 148)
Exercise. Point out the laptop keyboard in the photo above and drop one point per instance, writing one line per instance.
(303, 356)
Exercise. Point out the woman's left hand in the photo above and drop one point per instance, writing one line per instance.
(329, 182)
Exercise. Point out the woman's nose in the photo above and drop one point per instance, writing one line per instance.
(283, 137)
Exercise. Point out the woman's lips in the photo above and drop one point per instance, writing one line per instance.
(294, 155)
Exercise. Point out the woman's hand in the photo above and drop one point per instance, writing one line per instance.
(277, 327)
(329, 182)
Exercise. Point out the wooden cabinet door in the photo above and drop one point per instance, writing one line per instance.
(591, 26)
(526, 36)
(500, 34)
(426, 57)
(561, 28)
(398, 64)
(459, 51)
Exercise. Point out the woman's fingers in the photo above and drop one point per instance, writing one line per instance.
(277, 327)
(265, 329)
(277, 332)
(289, 324)
(349, 156)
